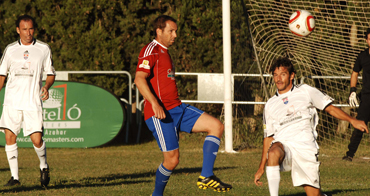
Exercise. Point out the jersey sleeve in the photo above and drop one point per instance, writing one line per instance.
(4, 66)
(146, 62)
(319, 99)
(357, 67)
(48, 63)
(268, 129)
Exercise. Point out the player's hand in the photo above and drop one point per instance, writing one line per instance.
(257, 177)
(353, 99)
(360, 125)
(158, 111)
(45, 94)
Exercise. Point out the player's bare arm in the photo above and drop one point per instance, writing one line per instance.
(45, 89)
(266, 145)
(341, 115)
(354, 78)
(2, 81)
(142, 85)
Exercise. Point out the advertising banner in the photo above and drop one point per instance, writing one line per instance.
(77, 115)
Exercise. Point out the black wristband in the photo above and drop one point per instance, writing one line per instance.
(353, 89)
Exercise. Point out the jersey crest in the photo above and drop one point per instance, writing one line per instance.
(26, 55)
(285, 100)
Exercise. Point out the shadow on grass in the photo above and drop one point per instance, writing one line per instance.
(107, 180)
(333, 192)
(198, 169)
(68, 184)
(113, 177)
(5, 169)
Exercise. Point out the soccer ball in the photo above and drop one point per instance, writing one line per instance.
(301, 23)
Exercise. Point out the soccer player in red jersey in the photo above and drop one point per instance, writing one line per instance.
(164, 113)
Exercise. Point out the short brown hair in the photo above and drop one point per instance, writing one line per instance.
(160, 23)
(282, 62)
(25, 18)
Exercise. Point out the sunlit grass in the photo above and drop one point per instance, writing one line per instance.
(130, 170)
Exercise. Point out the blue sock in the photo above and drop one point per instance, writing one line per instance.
(162, 176)
(210, 149)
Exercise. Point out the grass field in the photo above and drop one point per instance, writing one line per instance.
(130, 170)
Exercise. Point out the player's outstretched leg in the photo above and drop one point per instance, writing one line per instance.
(12, 154)
(161, 179)
(207, 179)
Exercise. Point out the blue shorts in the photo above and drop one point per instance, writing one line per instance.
(165, 131)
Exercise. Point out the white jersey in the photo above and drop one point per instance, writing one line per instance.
(292, 116)
(24, 65)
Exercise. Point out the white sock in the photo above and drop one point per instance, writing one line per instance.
(41, 153)
(12, 154)
(273, 178)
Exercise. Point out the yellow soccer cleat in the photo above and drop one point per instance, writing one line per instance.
(213, 182)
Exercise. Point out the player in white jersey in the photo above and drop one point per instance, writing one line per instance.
(23, 63)
(290, 120)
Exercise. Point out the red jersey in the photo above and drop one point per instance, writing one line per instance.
(155, 60)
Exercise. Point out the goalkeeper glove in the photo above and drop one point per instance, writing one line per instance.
(353, 101)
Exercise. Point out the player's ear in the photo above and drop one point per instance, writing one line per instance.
(292, 76)
(158, 31)
(18, 30)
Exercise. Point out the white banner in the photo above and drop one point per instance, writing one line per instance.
(62, 125)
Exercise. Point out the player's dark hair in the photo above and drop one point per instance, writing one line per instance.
(367, 32)
(160, 23)
(25, 17)
(282, 62)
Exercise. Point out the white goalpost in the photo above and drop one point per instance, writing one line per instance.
(227, 75)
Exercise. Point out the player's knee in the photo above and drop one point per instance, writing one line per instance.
(176, 162)
(171, 163)
(37, 145)
(37, 142)
(220, 127)
(274, 156)
(36, 139)
(217, 128)
(10, 138)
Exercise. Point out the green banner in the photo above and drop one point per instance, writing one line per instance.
(77, 115)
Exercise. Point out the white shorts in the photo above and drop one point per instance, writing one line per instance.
(12, 119)
(303, 164)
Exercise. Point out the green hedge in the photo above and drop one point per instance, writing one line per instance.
(108, 35)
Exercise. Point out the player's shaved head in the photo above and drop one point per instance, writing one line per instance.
(160, 23)
(25, 18)
(282, 62)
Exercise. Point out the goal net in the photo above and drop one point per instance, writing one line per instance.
(324, 59)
